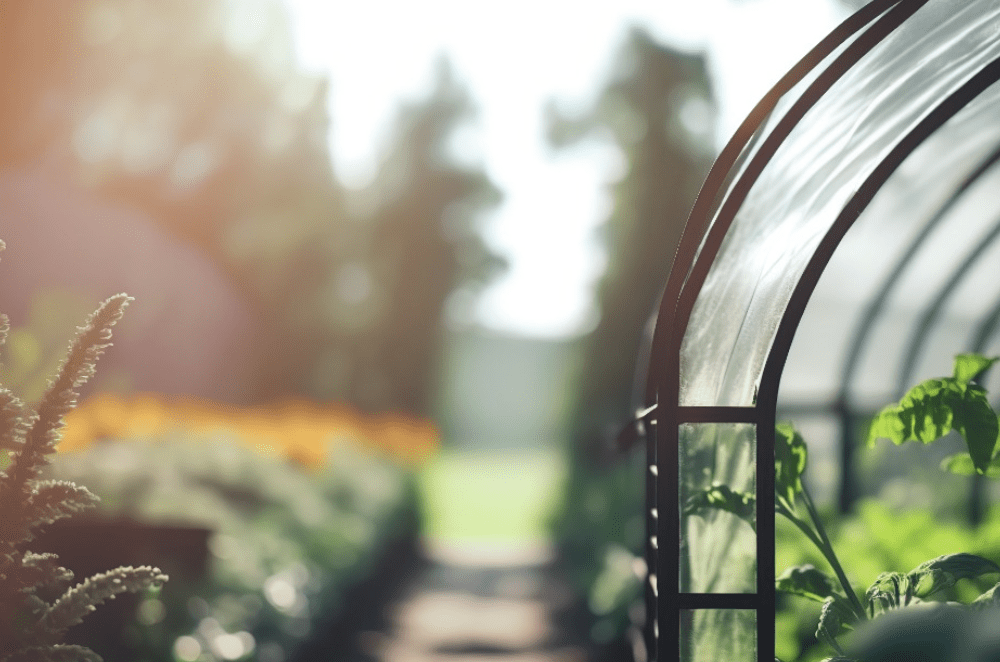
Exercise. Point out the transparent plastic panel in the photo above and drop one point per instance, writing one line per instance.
(969, 226)
(766, 127)
(800, 193)
(890, 228)
(713, 635)
(718, 549)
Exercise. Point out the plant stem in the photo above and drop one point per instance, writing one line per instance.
(803, 527)
(831, 556)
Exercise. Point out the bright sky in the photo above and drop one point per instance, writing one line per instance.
(514, 57)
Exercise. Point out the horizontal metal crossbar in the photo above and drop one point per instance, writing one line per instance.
(717, 415)
(718, 600)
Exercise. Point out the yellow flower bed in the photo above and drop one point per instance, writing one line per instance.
(297, 429)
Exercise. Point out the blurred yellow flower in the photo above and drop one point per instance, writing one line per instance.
(297, 429)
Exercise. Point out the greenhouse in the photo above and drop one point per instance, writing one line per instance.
(843, 247)
(398, 332)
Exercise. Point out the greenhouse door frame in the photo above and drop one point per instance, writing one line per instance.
(710, 219)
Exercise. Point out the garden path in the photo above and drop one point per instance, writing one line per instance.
(474, 603)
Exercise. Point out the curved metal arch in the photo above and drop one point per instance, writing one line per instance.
(986, 328)
(734, 151)
(943, 112)
(919, 336)
(873, 310)
(875, 307)
(689, 288)
(663, 605)
(718, 176)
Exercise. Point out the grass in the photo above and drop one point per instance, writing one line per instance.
(491, 495)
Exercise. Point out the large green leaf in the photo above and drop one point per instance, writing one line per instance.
(933, 408)
(723, 497)
(970, 366)
(989, 599)
(962, 465)
(834, 616)
(790, 457)
(807, 581)
(893, 590)
(932, 576)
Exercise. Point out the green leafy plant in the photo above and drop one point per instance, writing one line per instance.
(38, 604)
(928, 412)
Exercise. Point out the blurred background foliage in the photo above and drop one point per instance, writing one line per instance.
(658, 108)
(192, 117)
(175, 150)
(194, 114)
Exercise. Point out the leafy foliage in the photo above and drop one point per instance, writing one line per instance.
(789, 465)
(807, 581)
(935, 407)
(288, 541)
(723, 497)
(31, 629)
(892, 590)
(928, 412)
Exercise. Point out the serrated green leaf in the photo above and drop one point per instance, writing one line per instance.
(807, 581)
(961, 465)
(933, 408)
(988, 600)
(723, 497)
(936, 574)
(889, 591)
(834, 615)
(970, 366)
(790, 456)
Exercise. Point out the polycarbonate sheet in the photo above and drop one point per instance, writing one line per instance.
(718, 549)
(806, 184)
(904, 225)
(769, 123)
(713, 635)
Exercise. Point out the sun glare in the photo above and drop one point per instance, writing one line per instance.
(514, 59)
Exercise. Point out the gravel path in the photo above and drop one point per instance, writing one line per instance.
(476, 603)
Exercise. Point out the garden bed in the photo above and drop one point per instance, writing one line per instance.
(268, 557)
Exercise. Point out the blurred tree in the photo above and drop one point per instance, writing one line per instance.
(193, 111)
(422, 242)
(658, 110)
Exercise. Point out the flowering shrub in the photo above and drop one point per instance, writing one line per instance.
(287, 543)
(296, 429)
(301, 500)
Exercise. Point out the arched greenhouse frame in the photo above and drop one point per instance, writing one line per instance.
(889, 126)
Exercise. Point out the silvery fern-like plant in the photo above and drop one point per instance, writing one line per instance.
(38, 601)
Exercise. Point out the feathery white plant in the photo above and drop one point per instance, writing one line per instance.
(32, 628)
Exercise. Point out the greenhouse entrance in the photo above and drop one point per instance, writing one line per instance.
(842, 249)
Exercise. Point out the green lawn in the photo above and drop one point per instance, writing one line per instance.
(495, 495)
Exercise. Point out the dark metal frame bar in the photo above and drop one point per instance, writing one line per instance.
(687, 279)
(675, 308)
(921, 332)
(847, 490)
(986, 328)
(768, 393)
